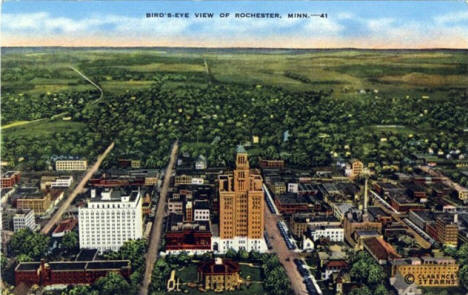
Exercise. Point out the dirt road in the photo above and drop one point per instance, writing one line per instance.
(156, 231)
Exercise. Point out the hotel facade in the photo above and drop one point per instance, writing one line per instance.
(110, 220)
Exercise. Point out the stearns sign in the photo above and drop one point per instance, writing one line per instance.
(437, 276)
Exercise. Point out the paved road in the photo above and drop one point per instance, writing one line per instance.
(62, 209)
(155, 238)
(282, 251)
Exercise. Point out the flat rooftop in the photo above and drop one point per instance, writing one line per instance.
(115, 196)
(291, 198)
(86, 255)
(9, 174)
(76, 265)
(28, 193)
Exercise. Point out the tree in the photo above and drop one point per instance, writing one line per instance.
(231, 253)
(112, 284)
(381, 290)
(276, 280)
(29, 243)
(160, 273)
(24, 258)
(243, 254)
(133, 250)
(80, 290)
(463, 275)
(376, 274)
(255, 255)
(364, 290)
(365, 270)
(462, 254)
(183, 258)
(3, 262)
(70, 241)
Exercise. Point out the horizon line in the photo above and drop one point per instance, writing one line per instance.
(231, 47)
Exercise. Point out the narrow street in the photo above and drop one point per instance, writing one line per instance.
(156, 230)
(65, 204)
(282, 251)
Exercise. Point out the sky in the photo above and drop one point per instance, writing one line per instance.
(357, 24)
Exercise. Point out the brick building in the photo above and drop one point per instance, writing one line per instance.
(194, 237)
(69, 272)
(10, 178)
(219, 275)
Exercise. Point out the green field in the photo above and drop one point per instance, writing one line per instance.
(42, 128)
(398, 73)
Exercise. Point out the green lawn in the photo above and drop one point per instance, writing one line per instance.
(188, 273)
(43, 128)
(255, 273)
(253, 289)
(122, 86)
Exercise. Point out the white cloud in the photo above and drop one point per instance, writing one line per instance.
(323, 26)
(345, 15)
(116, 25)
(442, 31)
(380, 24)
(452, 17)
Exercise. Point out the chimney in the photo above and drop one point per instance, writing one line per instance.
(93, 193)
(366, 197)
(455, 218)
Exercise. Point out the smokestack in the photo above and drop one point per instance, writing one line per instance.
(365, 216)
(366, 197)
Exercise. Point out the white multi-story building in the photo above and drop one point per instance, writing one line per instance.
(334, 233)
(221, 246)
(110, 220)
(201, 211)
(71, 165)
(24, 219)
(63, 182)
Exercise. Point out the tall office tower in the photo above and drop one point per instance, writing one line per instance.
(241, 204)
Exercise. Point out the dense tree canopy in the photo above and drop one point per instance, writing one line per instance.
(113, 284)
(366, 271)
(33, 246)
(70, 241)
(211, 118)
(276, 280)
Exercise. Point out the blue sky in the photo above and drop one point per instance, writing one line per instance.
(365, 24)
